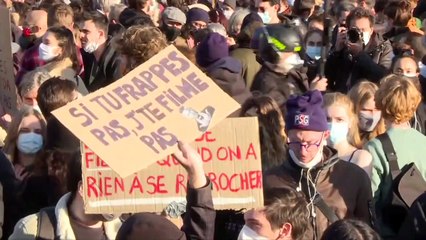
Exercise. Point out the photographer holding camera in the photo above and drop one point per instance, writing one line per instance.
(359, 53)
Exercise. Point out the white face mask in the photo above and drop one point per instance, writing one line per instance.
(367, 121)
(46, 52)
(292, 62)
(313, 52)
(317, 158)
(410, 75)
(35, 107)
(91, 47)
(366, 36)
(228, 13)
(248, 234)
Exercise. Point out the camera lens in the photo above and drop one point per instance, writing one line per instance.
(354, 35)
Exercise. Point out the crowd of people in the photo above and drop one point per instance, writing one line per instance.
(338, 87)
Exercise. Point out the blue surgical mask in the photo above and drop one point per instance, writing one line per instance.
(265, 17)
(338, 132)
(30, 143)
(313, 52)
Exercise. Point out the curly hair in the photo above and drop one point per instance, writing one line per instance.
(140, 43)
(398, 98)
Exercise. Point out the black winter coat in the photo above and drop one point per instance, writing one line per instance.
(343, 71)
(227, 74)
(280, 86)
(101, 73)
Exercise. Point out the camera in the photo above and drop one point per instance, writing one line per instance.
(354, 35)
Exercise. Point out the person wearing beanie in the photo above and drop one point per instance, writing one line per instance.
(282, 73)
(335, 189)
(171, 23)
(228, 8)
(212, 55)
(198, 221)
(197, 18)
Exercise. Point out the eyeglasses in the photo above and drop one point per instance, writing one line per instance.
(309, 147)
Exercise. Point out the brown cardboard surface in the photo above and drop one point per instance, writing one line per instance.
(232, 160)
(138, 119)
(7, 78)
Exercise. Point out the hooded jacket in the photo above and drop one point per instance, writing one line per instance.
(226, 73)
(343, 186)
(247, 57)
(280, 86)
(27, 227)
(343, 71)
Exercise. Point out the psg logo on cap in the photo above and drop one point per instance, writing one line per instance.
(301, 120)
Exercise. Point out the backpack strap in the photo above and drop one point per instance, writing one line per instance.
(322, 205)
(47, 221)
(325, 209)
(389, 152)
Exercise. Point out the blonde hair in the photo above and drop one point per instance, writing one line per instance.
(360, 94)
(272, 129)
(397, 98)
(10, 148)
(340, 99)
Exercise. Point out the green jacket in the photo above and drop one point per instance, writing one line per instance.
(410, 146)
(250, 65)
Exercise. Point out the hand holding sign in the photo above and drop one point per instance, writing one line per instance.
(189, 158)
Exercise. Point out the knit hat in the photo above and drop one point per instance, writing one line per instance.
(211, 49)
(174, 14)
(149, 226)
(306, 113)
(197, 14)
(59, 138)
(231, 3)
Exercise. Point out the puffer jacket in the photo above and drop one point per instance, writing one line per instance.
(27, 227)
(343, 71)
(280, 86)
(343, 186)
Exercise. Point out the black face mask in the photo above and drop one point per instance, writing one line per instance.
(171, 32)
(26, 42)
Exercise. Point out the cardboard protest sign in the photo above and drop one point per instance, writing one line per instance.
(7, 78)
(232, 160)
(138, 119)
